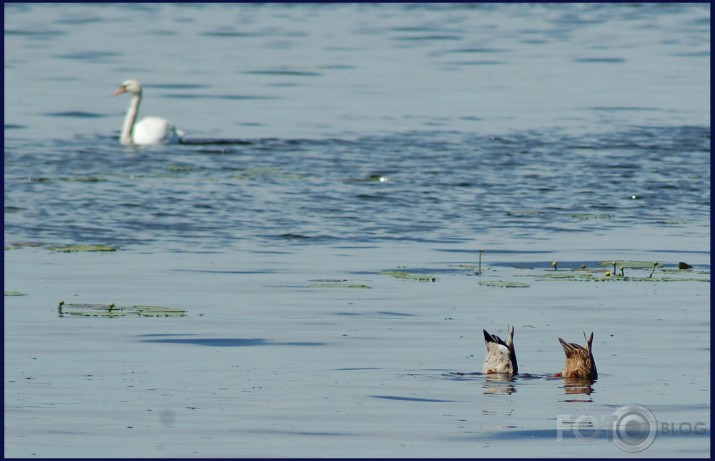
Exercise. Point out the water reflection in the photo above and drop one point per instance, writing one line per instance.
(497, 383)
(578, 386)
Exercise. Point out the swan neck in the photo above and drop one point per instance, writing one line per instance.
(128, 127)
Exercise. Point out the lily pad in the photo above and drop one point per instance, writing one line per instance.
(563, 275)
(581, 276)
(468, 267)
(82, 248)
(650, 279)
(339, 285)
(629, 264)
(112, 310)
(409, 276)
(157, 311)
(566, 275)
(503, 284)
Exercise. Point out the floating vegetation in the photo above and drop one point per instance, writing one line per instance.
(264, 172)
(468, 267)
(561, 275)
(621, 265)
(598, 275)
(673, 222)
(336, 283)
(60, 248)
(654, 279)
(340, 285)
(629, 264)
(179, 168)
(503, 284)
(16, 245)
(81, 248)
(112, 310)
(14, 293)
(655, 264)
(409, 276)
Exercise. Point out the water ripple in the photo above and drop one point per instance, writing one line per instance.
(420, 186)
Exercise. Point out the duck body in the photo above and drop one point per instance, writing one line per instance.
(501, 355)
(579, 363)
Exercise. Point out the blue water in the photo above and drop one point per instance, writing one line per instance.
(332, 142)
(417, 186)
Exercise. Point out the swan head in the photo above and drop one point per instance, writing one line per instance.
(129, 86)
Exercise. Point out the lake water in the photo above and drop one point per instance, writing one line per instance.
(329, 144)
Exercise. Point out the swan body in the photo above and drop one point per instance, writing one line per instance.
(501, 355)
(149, 130)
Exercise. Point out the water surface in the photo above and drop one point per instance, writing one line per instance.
(327, 144)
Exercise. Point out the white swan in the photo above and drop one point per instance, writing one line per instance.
(150, 130)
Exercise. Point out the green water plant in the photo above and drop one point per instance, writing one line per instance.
(81, 248)
(408, 276)
(628, 264)
(503, 284)
(340, 285)
(608, 275)
(112, 310)
(655, 264)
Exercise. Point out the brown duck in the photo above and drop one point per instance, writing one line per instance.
(579, 360)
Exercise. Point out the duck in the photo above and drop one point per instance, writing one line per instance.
(580, 363)
(501, 356)
(149, 130)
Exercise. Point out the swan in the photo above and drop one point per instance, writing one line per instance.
(150, 130)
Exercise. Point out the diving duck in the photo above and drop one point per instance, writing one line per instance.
(579, 360)
(501, 356)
